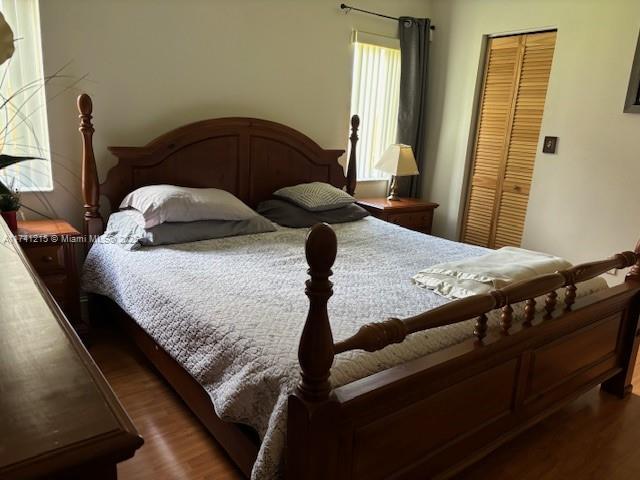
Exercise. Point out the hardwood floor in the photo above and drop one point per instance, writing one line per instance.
(176, 446)
(595, 437)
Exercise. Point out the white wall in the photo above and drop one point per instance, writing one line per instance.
(154, 65)
(585, 200)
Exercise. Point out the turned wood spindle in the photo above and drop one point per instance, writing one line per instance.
(374, 336)
(569, 297)
(634, 272)
(550, 303)
(351, 166)
(529, 311)
(506, 319)
(93, 224)
(480, 330)
(315, 352)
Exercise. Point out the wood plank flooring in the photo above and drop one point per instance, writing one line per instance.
(596, 437)
(176, 446)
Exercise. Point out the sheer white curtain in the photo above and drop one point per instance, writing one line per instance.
(375, 93)
(23, 118)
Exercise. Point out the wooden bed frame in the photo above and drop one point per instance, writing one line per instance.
(428, 418)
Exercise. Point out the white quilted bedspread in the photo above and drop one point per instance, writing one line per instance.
(231, 310)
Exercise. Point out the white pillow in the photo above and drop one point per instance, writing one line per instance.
(168, 203)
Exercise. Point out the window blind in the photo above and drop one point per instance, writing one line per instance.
(375, 92)
(23, 124)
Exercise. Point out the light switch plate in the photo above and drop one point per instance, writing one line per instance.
(550, 145)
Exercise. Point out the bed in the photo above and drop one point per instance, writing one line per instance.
(424, 393)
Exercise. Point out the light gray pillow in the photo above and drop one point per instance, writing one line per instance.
(169, 203)
(124, 229)
(315, 196)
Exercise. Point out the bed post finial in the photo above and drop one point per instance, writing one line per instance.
(93, 224)
(315, 352)
(351, 167)
(634, 272)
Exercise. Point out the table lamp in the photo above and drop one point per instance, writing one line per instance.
(398, 160)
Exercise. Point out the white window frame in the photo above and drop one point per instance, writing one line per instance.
(375, 97)
(23, 125)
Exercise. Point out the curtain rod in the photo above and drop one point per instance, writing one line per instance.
(349, 8)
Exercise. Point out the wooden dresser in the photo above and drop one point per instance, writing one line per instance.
(59, 418)
(407, 212)
(51, 247)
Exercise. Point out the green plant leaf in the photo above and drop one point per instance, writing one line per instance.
(6, 160)
(4, 190)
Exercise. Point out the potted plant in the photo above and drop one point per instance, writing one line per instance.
(9, 197)
(13, 114)
(9, 206)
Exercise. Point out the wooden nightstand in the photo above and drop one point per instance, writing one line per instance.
(406, 212)
(50, 246)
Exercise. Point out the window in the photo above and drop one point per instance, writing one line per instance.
(23, 124)
(375, 94)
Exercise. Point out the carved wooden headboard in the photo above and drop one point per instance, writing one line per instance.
(248, 157)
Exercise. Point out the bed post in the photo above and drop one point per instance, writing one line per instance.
(311, 446)
(315, 352)
(93, 224)
(351, 167)
(620, 385)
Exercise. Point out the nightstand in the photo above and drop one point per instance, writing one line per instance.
(407, 212)
(51, 247)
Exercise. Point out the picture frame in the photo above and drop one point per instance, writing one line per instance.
(632, 102)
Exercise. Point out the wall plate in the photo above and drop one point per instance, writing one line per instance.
(550, 145)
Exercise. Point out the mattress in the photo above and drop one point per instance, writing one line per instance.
(231, 310)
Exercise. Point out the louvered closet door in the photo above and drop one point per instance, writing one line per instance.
(514, 91)
(495, 112)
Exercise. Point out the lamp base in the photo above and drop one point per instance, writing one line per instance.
(393, 190)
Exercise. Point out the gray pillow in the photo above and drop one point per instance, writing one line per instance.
(289, 215)
(315, 196)
(125, 230)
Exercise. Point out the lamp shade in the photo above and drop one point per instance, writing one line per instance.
(398, 160)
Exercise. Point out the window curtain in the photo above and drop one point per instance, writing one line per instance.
(23, 118)
(414, 54)
(374, 97)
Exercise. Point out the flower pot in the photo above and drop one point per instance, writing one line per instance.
(11, 218)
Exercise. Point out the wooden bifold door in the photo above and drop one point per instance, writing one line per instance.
(513, 94)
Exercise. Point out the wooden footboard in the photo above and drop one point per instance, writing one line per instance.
(433, 416)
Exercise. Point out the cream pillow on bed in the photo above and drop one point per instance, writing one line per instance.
(169, 203)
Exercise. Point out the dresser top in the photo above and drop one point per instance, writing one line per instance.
(57, 409)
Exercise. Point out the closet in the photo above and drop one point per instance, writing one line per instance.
(515, 83)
